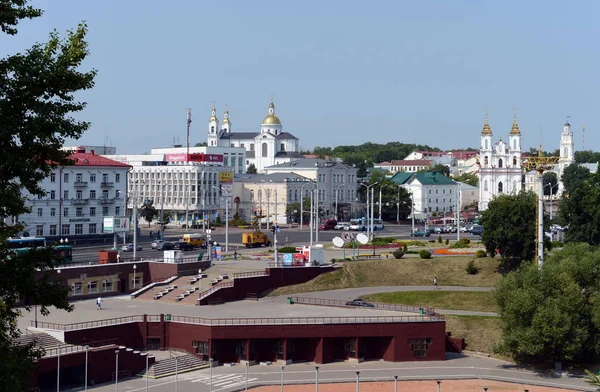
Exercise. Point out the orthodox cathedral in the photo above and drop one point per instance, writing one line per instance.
(270, 146)
(501, 169)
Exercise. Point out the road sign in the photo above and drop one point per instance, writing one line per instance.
(347, 236)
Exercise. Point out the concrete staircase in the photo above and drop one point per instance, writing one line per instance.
(178, 364)
(40, 339)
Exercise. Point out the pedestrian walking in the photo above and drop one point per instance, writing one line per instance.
(118, 257)
(99, 304)
(235, 255)
(435, 283)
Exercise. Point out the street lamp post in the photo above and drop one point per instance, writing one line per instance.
(316, 379)
(457, 211)
(134, 270)
(116, 370)
(147, 355)
(317, 214)
(282, 370)
(302, 203)
(312, 221)
(357, 381)
(395, 383)
(369, 216)
(58, 368)
(210, 363)
(380, 201)
(85, 381)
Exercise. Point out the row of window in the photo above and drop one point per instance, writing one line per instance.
(500, 186)
(208, 176)
(79, 194)
(79, 211)
(79, 177)
(437, 191)
(66, 229)
(500, 162)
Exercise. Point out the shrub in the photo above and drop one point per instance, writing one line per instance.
(432, 241)
(398, 253)
(447, 241)
(472, 268)
(440, 240)
(405, 247)
(462, 243)
(557, 244)
(425, 254)
(480, 253)
(287, 249)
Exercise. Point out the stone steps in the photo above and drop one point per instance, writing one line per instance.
(168, 367)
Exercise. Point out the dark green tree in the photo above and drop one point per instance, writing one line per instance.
(38, 107)
(148, 211)
(553, 314)
(394, 199)
(573, 177)
(580, 208)
(550, 181)
(439, 168)
(509, 226)
(251, 169)
(468, 178)
(587, 157)
(201, 144)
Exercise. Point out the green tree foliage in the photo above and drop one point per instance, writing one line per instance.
(148, 211)
(592, 379)
(535, 151)
(509, 225)
(37, 113)
(581, 209)
(391, 194)
(587, 156)
(552, 315)
(468, 178)
(550, 180)
(370, 153)
(251, 169)
(201, 144)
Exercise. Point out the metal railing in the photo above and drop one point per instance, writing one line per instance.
(377, 306)
(250, 274)
(303, 320)
(80, 183)
(107, 184)
(89, 324)
(104, 200)
(213, 289)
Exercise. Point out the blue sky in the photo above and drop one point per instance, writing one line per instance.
(340, 72)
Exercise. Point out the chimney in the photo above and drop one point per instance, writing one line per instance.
(92, 152)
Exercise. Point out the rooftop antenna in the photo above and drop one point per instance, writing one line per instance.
(189, 124)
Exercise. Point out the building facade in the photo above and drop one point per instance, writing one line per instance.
(500, 165)
(412, 166)
(270, 146)
(78, 197)
(433, 193)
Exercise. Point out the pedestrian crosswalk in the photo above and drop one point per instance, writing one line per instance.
(223, 382)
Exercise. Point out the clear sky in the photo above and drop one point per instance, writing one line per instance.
(341, 72)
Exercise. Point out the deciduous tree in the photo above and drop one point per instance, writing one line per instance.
(251, 169)
(148, 211)
(468, 178)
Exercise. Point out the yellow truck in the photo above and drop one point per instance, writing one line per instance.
(198, 240)
(255, 239)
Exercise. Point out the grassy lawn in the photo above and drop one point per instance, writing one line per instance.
(455, 300)
(480, 332)
(450, 271)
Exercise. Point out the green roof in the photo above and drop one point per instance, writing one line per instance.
(425, 178)
(401, 178)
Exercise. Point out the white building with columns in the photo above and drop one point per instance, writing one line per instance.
(270, 146)
(500, 164)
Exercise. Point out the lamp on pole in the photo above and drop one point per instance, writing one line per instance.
(380, 200)
(357, 381)
(312, 220)
(134, 268)
(58, 368)
(458, 211)
(369, 216)
(116, 370)
(316, 379)
(302, 203)
(85, 381)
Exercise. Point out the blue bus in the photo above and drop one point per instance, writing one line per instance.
(25, 244)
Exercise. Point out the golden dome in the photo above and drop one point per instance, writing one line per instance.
(271, 119)
(515, 128)
(486, 128)
(226, 119)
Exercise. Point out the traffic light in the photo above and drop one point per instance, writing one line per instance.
(273, 229)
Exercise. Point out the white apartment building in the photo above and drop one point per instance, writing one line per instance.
(334, 180)
(177, 187)
(78, 197)
(233, 157)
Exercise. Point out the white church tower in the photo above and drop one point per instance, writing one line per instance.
(567, 151)
(226, 123)
(271, 123)
(213, 129)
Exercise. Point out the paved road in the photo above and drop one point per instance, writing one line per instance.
(228, 379)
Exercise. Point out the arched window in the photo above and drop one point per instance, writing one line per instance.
(514, 144)
(500, 187)
(486, 144)
(514, 161)
(212, 129)
(499, 162)
(485, 160)
(485, 185)
(265, 150)
(566, 152)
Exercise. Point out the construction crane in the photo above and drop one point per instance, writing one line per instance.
(540, 164)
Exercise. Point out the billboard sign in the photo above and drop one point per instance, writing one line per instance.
(226, 177)
(116, 224)
(197, 157)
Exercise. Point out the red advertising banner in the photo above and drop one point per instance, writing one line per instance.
(182, 157)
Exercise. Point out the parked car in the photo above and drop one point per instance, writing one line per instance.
(328, 224)
(420, 233)
(184, 246)
(477, 230)
(165, 246)
(129, 248)
(360, 302)
(155, 243)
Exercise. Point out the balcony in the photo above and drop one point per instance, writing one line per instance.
(80, 184)
(105, 200)
(107, 184)
(79, 202)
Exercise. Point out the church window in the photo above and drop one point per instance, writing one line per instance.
(485, 160)
(499, 162)
(232, 144)
(282, 147)
(486, 144)
(485, 185)
(251, 146)
(514, 161)
(212, 129)
(500, 186)
(265, 150)
(242, 145)
(566, 152)
(514, 144)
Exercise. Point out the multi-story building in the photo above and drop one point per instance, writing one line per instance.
(179, 187)
(335, 181)
(232, 157)
(410, 166)
(433, 193)
(98, 150)
(270, 146)
(500, 164)
(78, 197)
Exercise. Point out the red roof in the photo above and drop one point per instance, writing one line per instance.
(91, 159)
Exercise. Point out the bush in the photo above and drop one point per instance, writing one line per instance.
(557, 244)
(432, 241)
(480, 253)
(472, 268)
(382, 241)
(287, 249)
(238, 222)
(440, 240)
(462, 243)
(405, 247)
(425, 254)
(447, 241)
(398, 253)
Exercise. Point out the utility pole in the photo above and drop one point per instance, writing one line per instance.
(187, 160)
(227, 223)
(372, 208)
(317, 215)
(457, 211)
(135, 225)
(312, 220)
(275, 248)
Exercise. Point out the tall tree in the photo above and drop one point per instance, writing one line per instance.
(251, 169)
(37, 107)
(552, 315)
(587, 156)
(148, 211)
(509, 226)
(468, 178)
(550, 180)
(580, 208)
(573, 177)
